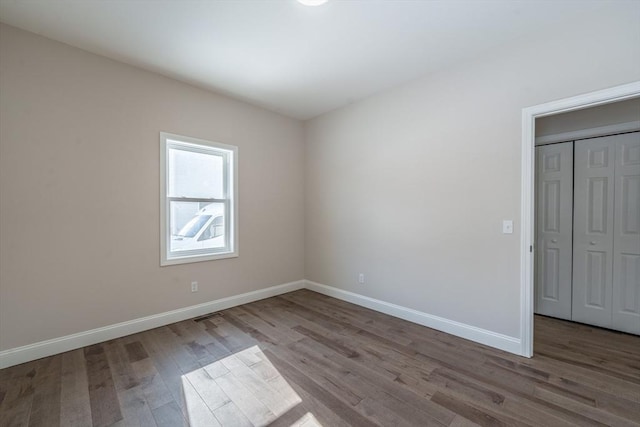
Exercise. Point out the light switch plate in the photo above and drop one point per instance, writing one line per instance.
(507, 226)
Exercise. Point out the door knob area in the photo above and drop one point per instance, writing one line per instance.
(592, 243)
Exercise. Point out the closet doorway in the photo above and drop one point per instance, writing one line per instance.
(532, 118)
(587, 216)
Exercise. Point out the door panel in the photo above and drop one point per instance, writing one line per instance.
(596, 279)
(626, 246)
(593, 231)
(550, 285)
(554, 193)
(597, 208)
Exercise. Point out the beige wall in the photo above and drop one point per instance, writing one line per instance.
(410, 186)
(79, 191)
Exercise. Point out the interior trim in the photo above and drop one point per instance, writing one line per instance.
(462, 330)
(50, 347)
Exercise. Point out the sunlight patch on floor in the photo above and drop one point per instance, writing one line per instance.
(243, 389)
(307, 420)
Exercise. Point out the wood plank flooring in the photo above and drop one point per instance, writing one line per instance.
(304, 359)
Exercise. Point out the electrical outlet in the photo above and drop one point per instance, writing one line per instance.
(194, 286)
(361, 278)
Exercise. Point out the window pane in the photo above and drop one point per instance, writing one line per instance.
(197, 225)
(195, 175)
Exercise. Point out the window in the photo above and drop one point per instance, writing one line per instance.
(198, 192)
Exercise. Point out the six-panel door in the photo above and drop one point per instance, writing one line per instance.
(626, 240)
(593, 231)
(554, 196)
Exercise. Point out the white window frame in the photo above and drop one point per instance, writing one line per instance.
(230, 198)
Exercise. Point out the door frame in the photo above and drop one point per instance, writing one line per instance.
(527, 214)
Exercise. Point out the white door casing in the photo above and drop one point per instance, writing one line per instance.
(593, 231)
(626, 241)
(554, 229)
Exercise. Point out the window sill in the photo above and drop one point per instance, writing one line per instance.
(197, 258)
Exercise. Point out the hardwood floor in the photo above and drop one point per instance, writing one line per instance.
(305, 359)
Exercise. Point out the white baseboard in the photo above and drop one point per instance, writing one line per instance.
(50, 347)
(479, 335)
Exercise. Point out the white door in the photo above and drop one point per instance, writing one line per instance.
(593, 231)
(626, 240)
(554, 200)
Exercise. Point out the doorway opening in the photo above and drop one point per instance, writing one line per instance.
(529, 116)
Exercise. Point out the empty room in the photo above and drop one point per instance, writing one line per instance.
(319, 213)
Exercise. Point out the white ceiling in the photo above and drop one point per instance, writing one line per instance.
(297, 60)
